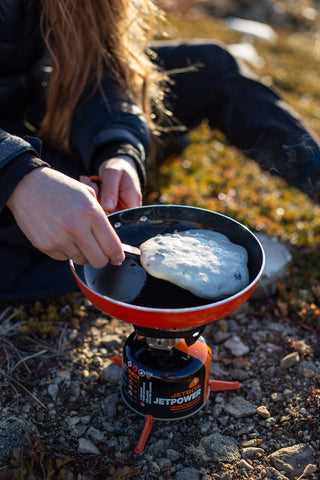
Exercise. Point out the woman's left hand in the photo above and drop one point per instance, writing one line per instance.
(119, 184)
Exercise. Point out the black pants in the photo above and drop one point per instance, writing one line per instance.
(208, 84)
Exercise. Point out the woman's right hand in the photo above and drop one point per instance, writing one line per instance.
(63, 219)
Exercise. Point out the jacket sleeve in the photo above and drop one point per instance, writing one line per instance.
(107, 123)
(18, 157)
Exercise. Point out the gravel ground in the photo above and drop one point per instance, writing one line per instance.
(62, 416)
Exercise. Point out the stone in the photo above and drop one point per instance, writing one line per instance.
(95, 435)
(293, 460)
(251, 452)
(246, 465)
(111, 373)
(53, 391)
(218, 448)
(273, 474)
(85, 446)
(263, 412)
(307, 369)
(239, 407)
(187, 473)
(109, 405)
(14, 433)
(236, 346)
(290, 360)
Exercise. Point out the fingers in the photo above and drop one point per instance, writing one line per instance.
(97, 247)
(102, 246)
(120, 184)
(110, 189)
(96, 243)
(76, 256)
(86, 180)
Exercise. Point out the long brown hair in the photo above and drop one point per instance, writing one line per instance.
(85, 37)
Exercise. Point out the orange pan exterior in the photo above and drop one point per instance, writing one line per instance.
(164, 318)
(146, 221)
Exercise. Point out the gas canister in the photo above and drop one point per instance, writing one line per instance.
(168, 384)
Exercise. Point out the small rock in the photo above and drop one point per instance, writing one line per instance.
(63, 375)
(78, 431)
(238, 374)
(75, 391)
(223, 419)
(276, 396)
(269, 372)
(244, 464)
(85, 420)
(109, 405)
(290, 360)
(187, 473)
(253, 442)
(95, 435)
(154, 467)
(307, 369)
(111, 373)
(110, 341)
(156, 448)
(85, 446)
(239, 407)
(293, 460)
(164, 463)
(220, 336)
(173, 455)
(71, 422)
(53, 391)
(251, 452)
(263, 412)
(270, 422)
(218, 448)
(236, 346)
(273, 474)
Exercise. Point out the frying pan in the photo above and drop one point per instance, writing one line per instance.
(128, 293)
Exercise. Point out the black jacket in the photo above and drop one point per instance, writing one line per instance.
(98, 130)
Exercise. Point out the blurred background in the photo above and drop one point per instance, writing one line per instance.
(280, 41)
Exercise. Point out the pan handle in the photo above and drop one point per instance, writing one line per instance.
(97, 179)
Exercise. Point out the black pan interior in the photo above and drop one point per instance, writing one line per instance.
(130, 283)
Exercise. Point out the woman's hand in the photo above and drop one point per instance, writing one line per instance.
(119, 183)
(63, 219)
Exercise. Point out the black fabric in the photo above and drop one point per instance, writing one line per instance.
(13, 172)
(27, 274)
(119, 124)
(20, 37)
(252, 116)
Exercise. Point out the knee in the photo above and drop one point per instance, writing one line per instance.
(211, 58)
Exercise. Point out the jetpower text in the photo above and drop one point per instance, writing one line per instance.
(179, 398)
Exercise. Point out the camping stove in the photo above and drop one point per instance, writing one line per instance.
(166, 375)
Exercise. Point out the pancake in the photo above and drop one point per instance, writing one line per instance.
(204, 262)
